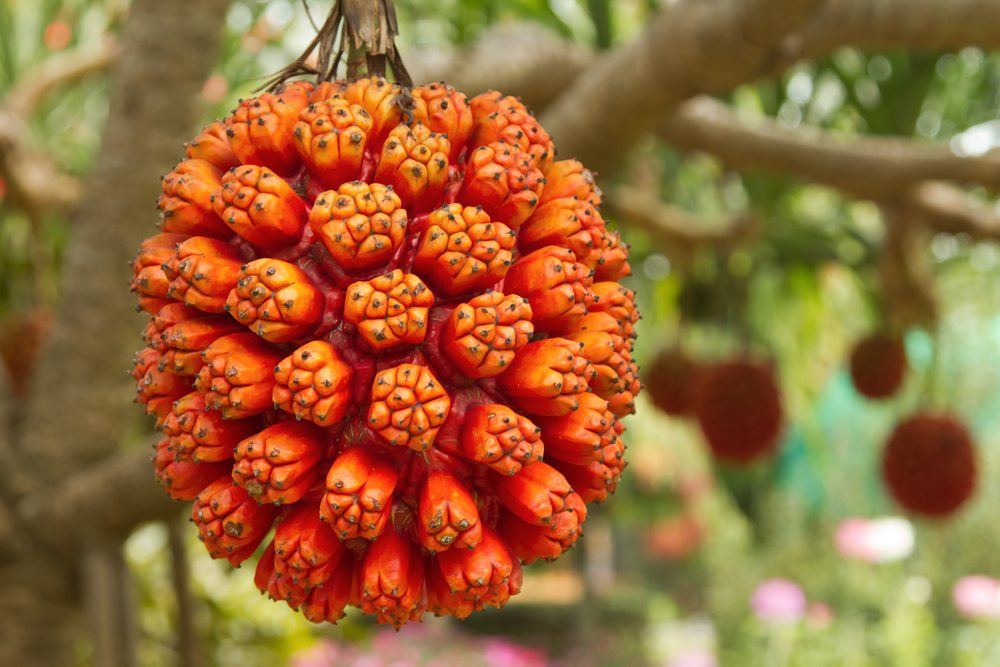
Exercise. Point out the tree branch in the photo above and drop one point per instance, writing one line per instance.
(945, 208)
(671, 228)
(867, 167)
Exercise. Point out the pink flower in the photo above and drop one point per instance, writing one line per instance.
(778, 600)
(881, 540)
(819, 615)
(977, 596)
(693, 659)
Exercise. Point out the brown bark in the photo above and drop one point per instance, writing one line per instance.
(80, 406)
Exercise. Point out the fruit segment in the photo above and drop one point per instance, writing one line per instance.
(461, 250)
(617, 301)
(305, 548)
(483, 575)
(314, 383)
(531, 542)
(389, 310)
(382, 100)
(536, 494)
(392, 580)
(360, 224)
(276, 300)
(556, 285)
(482, 337)
(447, 516)
(359, 488)
(201, 435)
(500, 117)
(183, 480)
(408, 406)
(496, 436)
(331, 137)
(326, 603)
(182, 333)
(279, 464)
(580, 436)
(594, 481)
(445, 111)
(502, 180)
(570, 179)
(547, 377)
(201, 273)
(260, 130)
(155, 388)
(414, 161)
(212, 146)
(238, 375)
(186, 202)
(616, 375)
(230, 523)
(261, 207)
(148, 277)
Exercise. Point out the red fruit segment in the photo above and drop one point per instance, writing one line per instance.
(260, 129)
(382, 100)
(155, 388)
(414, 161)
(595, 481)
(314, 383)
(556, 285)
(389, 310)
(331, 136)
(570, 179)
(183, 480)
(582, 436)
(483, 575)
(200, 435)
(441, 600)
(305, 548)
(326, 603)
(148, 276)
(670, 382)
(530, 542)
(361, 225)
(504, 118)
(261, 207)
(617, 301)
(276, 300)
(238, 375)
(212, 146)
(498, 437)
(186, 201)
(462, 250)
(392, 580)
(547, 377)
(502, 180)
(616, 375)
(408, 406)
(182, 333)
(929, 464)
(536, 494)
(279, 464)
(276, 585)
(358, 498)
(482, 337)
(230, 523)
(445, 111)
(447, 514)
(201, 273)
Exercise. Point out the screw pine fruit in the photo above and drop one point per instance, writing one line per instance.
(373, 313)
(878, 365)
(929, 464)
(738, 406)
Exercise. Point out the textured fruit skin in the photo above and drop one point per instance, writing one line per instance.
(738, 406)
(373, 312)
(670, 381)
(878, 366)
(929, 464)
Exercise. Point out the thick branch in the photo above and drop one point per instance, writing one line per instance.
(867, 167)
(671, 228)
(79, 407)
(945, 208)
(691, 46)
(59, 69)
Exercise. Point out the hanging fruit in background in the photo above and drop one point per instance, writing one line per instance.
(346, 325)
(21, 338)
(929, 464)
(738, 406)
(670, 382)
(878, 365)
(675, 537)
